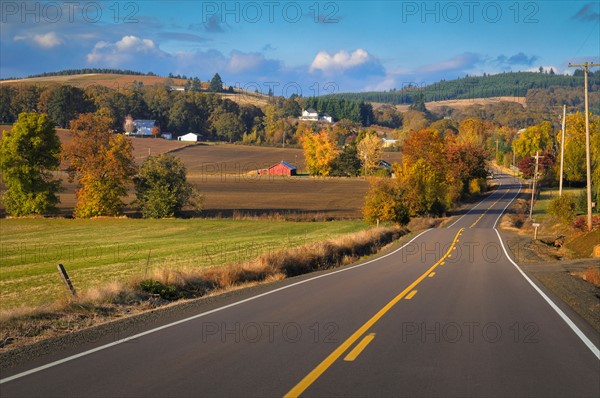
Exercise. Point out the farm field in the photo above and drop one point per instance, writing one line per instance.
(96, 252)
(226, 175)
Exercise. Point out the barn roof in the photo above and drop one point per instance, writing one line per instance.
(286, 164)
(144, 123)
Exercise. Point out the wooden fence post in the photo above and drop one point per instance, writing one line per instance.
(65, 277)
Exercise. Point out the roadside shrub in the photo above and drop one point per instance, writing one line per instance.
(166, 292)
(477, 185)
(580, 223)
(563, 208)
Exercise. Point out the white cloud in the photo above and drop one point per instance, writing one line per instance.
(48, 40)
(123, 51)
(240, 62)
(340, 61)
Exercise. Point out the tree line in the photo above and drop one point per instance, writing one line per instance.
(101, 162)
(513, 84)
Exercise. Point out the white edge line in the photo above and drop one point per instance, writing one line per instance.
(560, 313)
(564, 316)
(114, 343)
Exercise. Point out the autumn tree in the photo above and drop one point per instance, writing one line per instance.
(385, 202)
(128, 125)
(103, 164)
(533, 139)
(472, 131)
(466, 162)
(425, 187)
(370, 149)
(575, 158)
(319, 152)
(423, 173)
(162, 188)
(29, 152)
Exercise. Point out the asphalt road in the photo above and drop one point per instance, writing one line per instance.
(447, 314)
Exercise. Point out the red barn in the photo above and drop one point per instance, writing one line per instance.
(281, 169)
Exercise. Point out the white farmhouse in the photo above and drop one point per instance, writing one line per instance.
(313, 116)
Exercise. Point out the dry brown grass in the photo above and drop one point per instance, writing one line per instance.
(591, 275)
(25, 326)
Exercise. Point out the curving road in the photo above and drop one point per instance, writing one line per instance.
(446, 314)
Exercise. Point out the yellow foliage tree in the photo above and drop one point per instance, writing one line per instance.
(370, 150)
(319, 152)
(385, 202)
(534, 138)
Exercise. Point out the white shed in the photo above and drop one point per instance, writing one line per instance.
(191, 137)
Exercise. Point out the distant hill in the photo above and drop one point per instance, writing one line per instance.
(513, 84)
(123, 80)
(111, 80)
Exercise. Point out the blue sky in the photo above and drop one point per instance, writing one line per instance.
(308, 47)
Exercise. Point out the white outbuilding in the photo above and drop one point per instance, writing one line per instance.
(190, 137)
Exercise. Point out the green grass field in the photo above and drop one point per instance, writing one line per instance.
(103, 250)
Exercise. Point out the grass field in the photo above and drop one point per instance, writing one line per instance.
(98, 251)
(540, 208)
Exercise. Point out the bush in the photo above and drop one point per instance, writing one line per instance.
(477, 185)
(563, 208)
(165, 291)
(580, 223)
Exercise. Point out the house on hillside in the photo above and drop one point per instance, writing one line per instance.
(144, 127)
(280, 169)
(189, 137)
(389, 142)
(310, 115)
(313, 116)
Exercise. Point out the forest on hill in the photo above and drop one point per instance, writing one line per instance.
(562, 88)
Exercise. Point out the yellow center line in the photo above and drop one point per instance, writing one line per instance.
(337, 353)
(359, 347)
(484, 213)
(432, 275)
(410, 295)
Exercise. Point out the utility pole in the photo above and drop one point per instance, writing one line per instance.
(535, 174)
(562, 150)
(586, 65)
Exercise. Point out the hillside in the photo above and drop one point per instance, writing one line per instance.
(110, 80)
(120, 81)
(501, 85)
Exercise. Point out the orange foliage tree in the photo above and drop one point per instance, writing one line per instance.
(103, 164)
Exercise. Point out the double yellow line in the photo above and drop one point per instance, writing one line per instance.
(310, 378)
(485, 212)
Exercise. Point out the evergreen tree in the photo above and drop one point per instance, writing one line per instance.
(216, 84)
